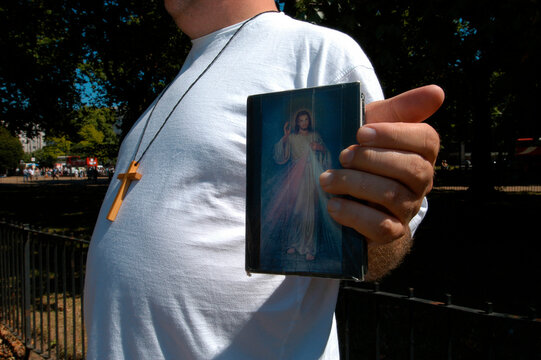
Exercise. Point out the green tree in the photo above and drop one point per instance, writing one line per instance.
(61, 145)
(53, 51)
(482, 53)
(42, 44)
(96, 136)
(11, 151)
(136, 49)
(47, 156)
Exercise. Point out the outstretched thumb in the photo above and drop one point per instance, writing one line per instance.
(415, 105)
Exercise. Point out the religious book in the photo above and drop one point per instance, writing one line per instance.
(292, 138)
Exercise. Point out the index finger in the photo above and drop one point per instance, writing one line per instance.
(411, 106)
(419, 138)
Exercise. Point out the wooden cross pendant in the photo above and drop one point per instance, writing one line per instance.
(126, 178)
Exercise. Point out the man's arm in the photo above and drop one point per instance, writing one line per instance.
(390, 170)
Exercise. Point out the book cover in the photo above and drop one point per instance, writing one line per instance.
(293, 137)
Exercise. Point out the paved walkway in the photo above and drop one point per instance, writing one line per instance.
(105, 180)
(48, 180)
(510, 188)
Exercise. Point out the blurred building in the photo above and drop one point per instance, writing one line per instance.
(32, 144)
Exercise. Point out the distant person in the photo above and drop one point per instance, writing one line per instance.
(110, 172)
(444, 165)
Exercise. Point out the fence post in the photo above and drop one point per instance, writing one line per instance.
(490, 331)
(377, 319)
(531, 334)
(411, 312)
(27, 303)
(344, 312)
(450, 330)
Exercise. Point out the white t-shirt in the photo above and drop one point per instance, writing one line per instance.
(166, 279)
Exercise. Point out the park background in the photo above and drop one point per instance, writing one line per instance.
(81, 73)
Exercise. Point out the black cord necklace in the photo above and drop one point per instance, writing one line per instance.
(132, 174)
(186, 92)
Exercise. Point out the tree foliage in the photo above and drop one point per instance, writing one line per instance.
(52, 51)
(483, 53)
(136, 49)
(95, 135)
(42, 46)
(11, 151)
(47, 157)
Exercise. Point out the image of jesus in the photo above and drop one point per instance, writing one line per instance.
(304, 153)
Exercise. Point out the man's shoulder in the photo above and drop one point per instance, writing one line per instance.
(313, 32)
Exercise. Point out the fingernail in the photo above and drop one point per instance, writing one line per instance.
(366, 135)
(346, 157)
(326, 178)
(333, 205)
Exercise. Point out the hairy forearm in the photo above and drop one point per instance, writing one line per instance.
(384, 258)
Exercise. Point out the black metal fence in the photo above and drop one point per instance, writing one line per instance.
(41, 287)
(41, 303)
(379, 325)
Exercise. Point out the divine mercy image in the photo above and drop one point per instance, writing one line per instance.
(298, 234)
(292, 138)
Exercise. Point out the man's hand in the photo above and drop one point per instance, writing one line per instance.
(390, 170)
